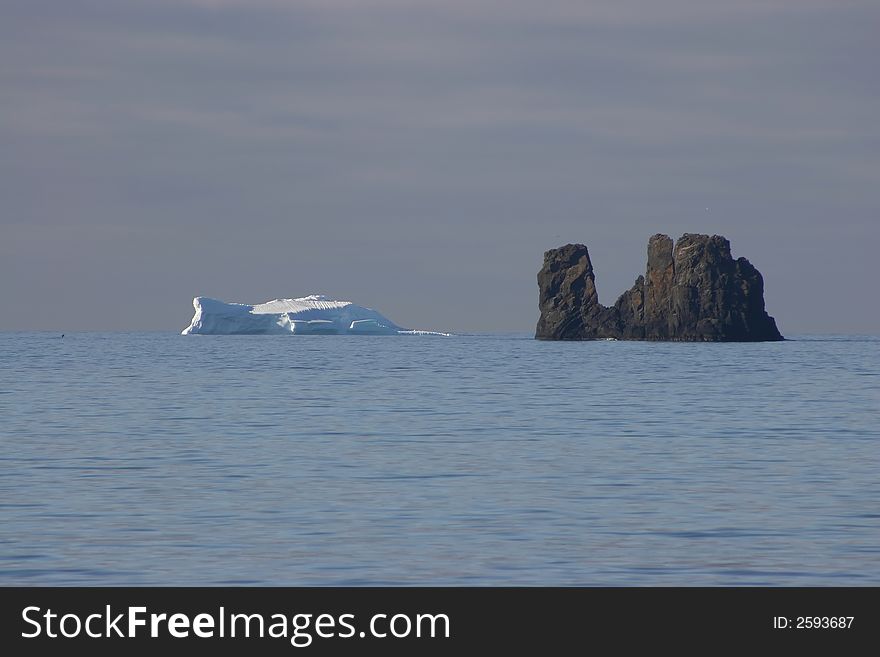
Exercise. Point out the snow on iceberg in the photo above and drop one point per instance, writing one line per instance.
(312, 315)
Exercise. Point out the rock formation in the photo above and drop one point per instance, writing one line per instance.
(694, 291)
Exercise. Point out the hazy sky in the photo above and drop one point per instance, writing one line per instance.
(419, 157)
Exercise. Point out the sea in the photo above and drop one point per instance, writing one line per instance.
(160, 459)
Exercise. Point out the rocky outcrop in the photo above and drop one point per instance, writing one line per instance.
(692, 291)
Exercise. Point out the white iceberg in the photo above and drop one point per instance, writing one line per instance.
(312, 315)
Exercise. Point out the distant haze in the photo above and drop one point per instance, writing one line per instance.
(419, 157)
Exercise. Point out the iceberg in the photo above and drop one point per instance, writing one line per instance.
(315, 314)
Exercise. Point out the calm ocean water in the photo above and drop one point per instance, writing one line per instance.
(474, 460)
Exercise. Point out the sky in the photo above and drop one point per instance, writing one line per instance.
(418, 157)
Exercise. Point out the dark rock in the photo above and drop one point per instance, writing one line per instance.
(692, 291)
